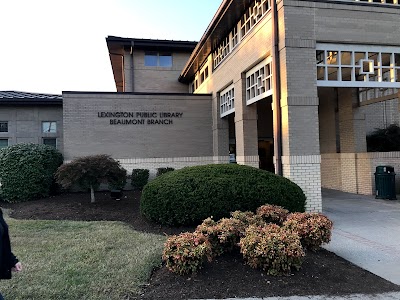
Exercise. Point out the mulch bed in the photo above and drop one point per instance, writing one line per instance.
(322, 273)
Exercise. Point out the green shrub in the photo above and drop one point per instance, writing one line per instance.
(186, 253)
(140, 177)
(272, 248)
(314, 229)
(90, 171)
(191, 194)
(272, 214)
(223, 235)
(27, 171)
(161, 171)
(384, 140)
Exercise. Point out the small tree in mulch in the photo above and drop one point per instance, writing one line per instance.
(90, 172)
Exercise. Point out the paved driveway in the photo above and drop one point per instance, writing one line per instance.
(366, 231)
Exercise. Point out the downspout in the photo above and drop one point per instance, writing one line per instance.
(276, 97)
(132, 78)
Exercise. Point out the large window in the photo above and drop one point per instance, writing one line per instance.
(50, 142)
(158, 59)
(3, 126)
(258, 81)
(358, 66)
(3, 143)
(49, 127)
(227, 101)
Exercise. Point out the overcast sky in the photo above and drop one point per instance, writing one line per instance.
(50, 46)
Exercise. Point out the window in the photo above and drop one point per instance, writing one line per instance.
(3, 126)
(258, 82)
(3, 143)
(50, 142)
(49, 127)
(227, 101)
(156, 59)
(359, 66)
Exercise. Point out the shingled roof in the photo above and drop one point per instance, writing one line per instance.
(23, 98)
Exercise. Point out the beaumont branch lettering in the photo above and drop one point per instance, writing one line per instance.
(140, 117)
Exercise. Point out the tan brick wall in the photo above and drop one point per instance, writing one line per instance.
(154, 79)
(354, 172)
(85, 133)
(25, 124)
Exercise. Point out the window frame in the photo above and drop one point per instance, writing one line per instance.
(51, 122)
(1, 127)
(158, 56)
(50, 138)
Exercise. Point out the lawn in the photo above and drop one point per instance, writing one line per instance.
(80, 260)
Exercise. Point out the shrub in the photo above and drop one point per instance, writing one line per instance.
(384, 140)
(90, 172)
(186, 253)
(191, 194)
(161, 171)
(272, 214)
(27, 171)
(140, 177)
(223, 235)
(314, 229)
(272, 248)
(248, 218)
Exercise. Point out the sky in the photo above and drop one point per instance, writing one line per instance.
(50, 46)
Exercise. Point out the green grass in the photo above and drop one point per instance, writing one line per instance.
(80, 260)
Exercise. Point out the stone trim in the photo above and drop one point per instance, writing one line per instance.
(304, 159)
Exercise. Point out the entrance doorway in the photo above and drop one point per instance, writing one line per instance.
(265, 134)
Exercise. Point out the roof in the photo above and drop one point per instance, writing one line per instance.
(23, 98)
(151, 44)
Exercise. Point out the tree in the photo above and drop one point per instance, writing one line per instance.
(90, 172)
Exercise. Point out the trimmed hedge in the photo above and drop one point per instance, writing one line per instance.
(161, 171)
(190, 195)
(27, 171)
(139, 178)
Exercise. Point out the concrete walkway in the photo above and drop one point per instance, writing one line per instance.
(366, 232)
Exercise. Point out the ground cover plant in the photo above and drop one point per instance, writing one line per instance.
(322, 272)
(72, 260)
(189, 195)
(27, 171)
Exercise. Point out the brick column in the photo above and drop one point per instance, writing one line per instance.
(352, 137)
(220, 134)
(246, 128)
(301, 158)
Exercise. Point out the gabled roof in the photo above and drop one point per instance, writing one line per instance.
(23, 98)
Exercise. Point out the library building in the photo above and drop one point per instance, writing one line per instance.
(292, 87)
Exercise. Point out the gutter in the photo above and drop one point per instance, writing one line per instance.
(132, 78)
(276, 97)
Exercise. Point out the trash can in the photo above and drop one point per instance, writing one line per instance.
(385, 183)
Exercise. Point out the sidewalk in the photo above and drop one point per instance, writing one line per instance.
(366, 232)
(386, 296)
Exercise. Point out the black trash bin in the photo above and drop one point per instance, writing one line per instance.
(385, 183)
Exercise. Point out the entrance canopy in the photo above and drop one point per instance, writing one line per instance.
(341, 65)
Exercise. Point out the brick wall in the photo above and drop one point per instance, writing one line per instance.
(188, 137)
(25, 124)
